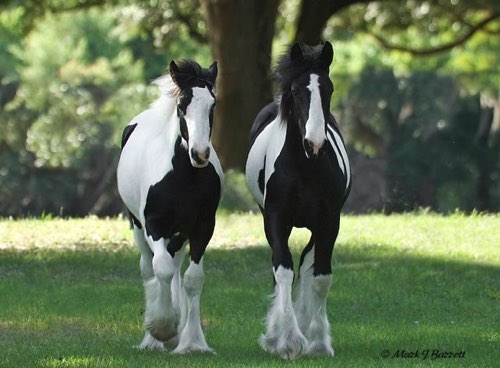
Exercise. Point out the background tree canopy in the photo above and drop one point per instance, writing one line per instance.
(416, 91)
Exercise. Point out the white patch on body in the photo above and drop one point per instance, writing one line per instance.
(265, 150)
(147, 156)
(315, 124)
(191, 338)
(283, 336)
(342, 155)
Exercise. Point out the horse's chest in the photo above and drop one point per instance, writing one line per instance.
(182, 198)
(307, 193)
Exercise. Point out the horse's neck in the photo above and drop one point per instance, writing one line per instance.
(293, 138)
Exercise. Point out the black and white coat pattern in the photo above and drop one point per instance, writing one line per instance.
(170, 179)
(298, 172)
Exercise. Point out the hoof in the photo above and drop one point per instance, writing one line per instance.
(287, 347)
(268, 343)
(320, 349)
(150, 343)
(162, 329)
(193, 349)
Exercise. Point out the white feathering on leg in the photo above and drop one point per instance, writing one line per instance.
(283, 336)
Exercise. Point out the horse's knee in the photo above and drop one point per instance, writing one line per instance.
(163, 266)
(193, 278)
(146, 267)
(321, 285)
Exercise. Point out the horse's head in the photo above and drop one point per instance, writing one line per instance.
(307, 91)
(195, 107)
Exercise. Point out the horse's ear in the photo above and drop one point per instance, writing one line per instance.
(327, 54)
(296, 53)
(213, 71)
(174, 70)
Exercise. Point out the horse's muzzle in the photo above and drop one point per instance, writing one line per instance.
(199, 158)
(312, 150)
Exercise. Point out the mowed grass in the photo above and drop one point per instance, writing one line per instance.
(71, 293)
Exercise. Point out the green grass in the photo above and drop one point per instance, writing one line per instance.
(71, 293)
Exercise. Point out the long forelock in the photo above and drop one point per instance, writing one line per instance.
(287, 71)
(192, 74)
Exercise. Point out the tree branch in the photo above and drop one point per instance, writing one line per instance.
(185, 19)
(445, 47)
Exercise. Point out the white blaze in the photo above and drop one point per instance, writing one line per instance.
(315, 125)
(197, 119)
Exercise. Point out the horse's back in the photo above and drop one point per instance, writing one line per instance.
(263, 119)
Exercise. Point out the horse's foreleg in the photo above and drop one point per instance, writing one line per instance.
(191, 338)
(283, 336)
(318, 330)
(160, 318)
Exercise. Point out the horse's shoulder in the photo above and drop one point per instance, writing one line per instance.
(263, 119)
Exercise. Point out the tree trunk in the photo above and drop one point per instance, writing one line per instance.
(485, 159)
(240, 35)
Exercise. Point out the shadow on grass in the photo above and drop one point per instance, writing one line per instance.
(74, 308)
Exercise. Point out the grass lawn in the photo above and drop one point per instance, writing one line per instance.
(71, 293)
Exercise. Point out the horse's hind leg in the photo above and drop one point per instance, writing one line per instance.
(176, 246)
(148, 342)
(302, 305)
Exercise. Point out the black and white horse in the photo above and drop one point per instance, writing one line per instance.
(170, 179)
(298, 172)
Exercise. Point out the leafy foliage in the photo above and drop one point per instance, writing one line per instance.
(72, 73)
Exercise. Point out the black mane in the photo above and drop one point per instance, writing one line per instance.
(190, 72)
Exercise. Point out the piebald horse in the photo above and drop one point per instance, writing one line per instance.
(170, 179)
(298, 172)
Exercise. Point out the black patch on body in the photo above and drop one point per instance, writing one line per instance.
(127, 132)
(134, 220)
(184, 202)
(262, 177)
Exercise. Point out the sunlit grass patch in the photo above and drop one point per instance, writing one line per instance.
(71, 292)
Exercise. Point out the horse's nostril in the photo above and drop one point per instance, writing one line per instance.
(206, 154)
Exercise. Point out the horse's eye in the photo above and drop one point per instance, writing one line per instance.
(294, 92)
